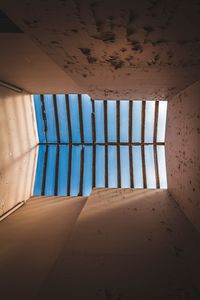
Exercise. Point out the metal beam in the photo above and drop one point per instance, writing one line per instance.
(156, 167)
(144, 167)
(118, 144)
(68, 118)
(81, 172)
(130, 143)
(44, 116)
(56, 118)
(106, 142)
(81, 118)
(94, 166)
(142, 147)
(57, 170)
(130, 120)
(131, 167)
(93, 123)
(118, 121)
(44, 170)
(109, 144)
(94, 145)
(106, 165)
(118, 167)
(105, 122)
(156, 121)
(69, 171)
(155, 147)
(143, 121)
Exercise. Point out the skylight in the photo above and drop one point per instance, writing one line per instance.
(85, 143)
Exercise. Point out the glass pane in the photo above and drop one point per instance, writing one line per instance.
(162, 116)
(137, 121)
(39, 171)
(111, 109)
(63, 170)
(51, 127)
(112, 166)
(74, 117)
(149, 121)
(162, 167)
(62, 118)
(100, 166)
(39, 118)
(75, 170)
(125, 168)
(50, 171)
(87, 118)
(87, 175)
(124, 113)
(137, 167)
(150, 167)
(99, 121)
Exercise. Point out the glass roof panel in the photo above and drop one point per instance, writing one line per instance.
(62, 118)
(125, 168)
(137, 121)
(150, 167)
(50, 172)
(100, 166)
(162, 166)
(75, 170)
(124, 121)
(112, 133)
(162, 116)
(112, 166)
(50, 117)
(87, 175)
(149, 121)
(99, 121)
(87, 118)
(63, 170)
(74, 117)
(75, 167)
(137, 167)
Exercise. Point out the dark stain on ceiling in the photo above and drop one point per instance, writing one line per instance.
(118, 49)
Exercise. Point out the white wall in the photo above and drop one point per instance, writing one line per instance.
(17, 148)
(183, 151)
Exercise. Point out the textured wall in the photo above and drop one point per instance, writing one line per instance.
(123, 245)
(30, 68)
(17, 149)
(128, 244)
(117, 49)
(183, 151)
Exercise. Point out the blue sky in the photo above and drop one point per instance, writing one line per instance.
(63, 163)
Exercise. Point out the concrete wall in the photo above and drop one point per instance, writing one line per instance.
(183, 151)
(113, 49)
(17, 149)
(31, 241)
(118, 244)
(30, 68)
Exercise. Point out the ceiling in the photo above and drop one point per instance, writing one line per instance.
(116, 49)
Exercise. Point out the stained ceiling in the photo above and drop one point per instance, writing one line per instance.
(117, 49)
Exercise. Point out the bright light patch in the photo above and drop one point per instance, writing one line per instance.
(85, 143)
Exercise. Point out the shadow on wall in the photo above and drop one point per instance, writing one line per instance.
(127, 244)
(18, 148)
